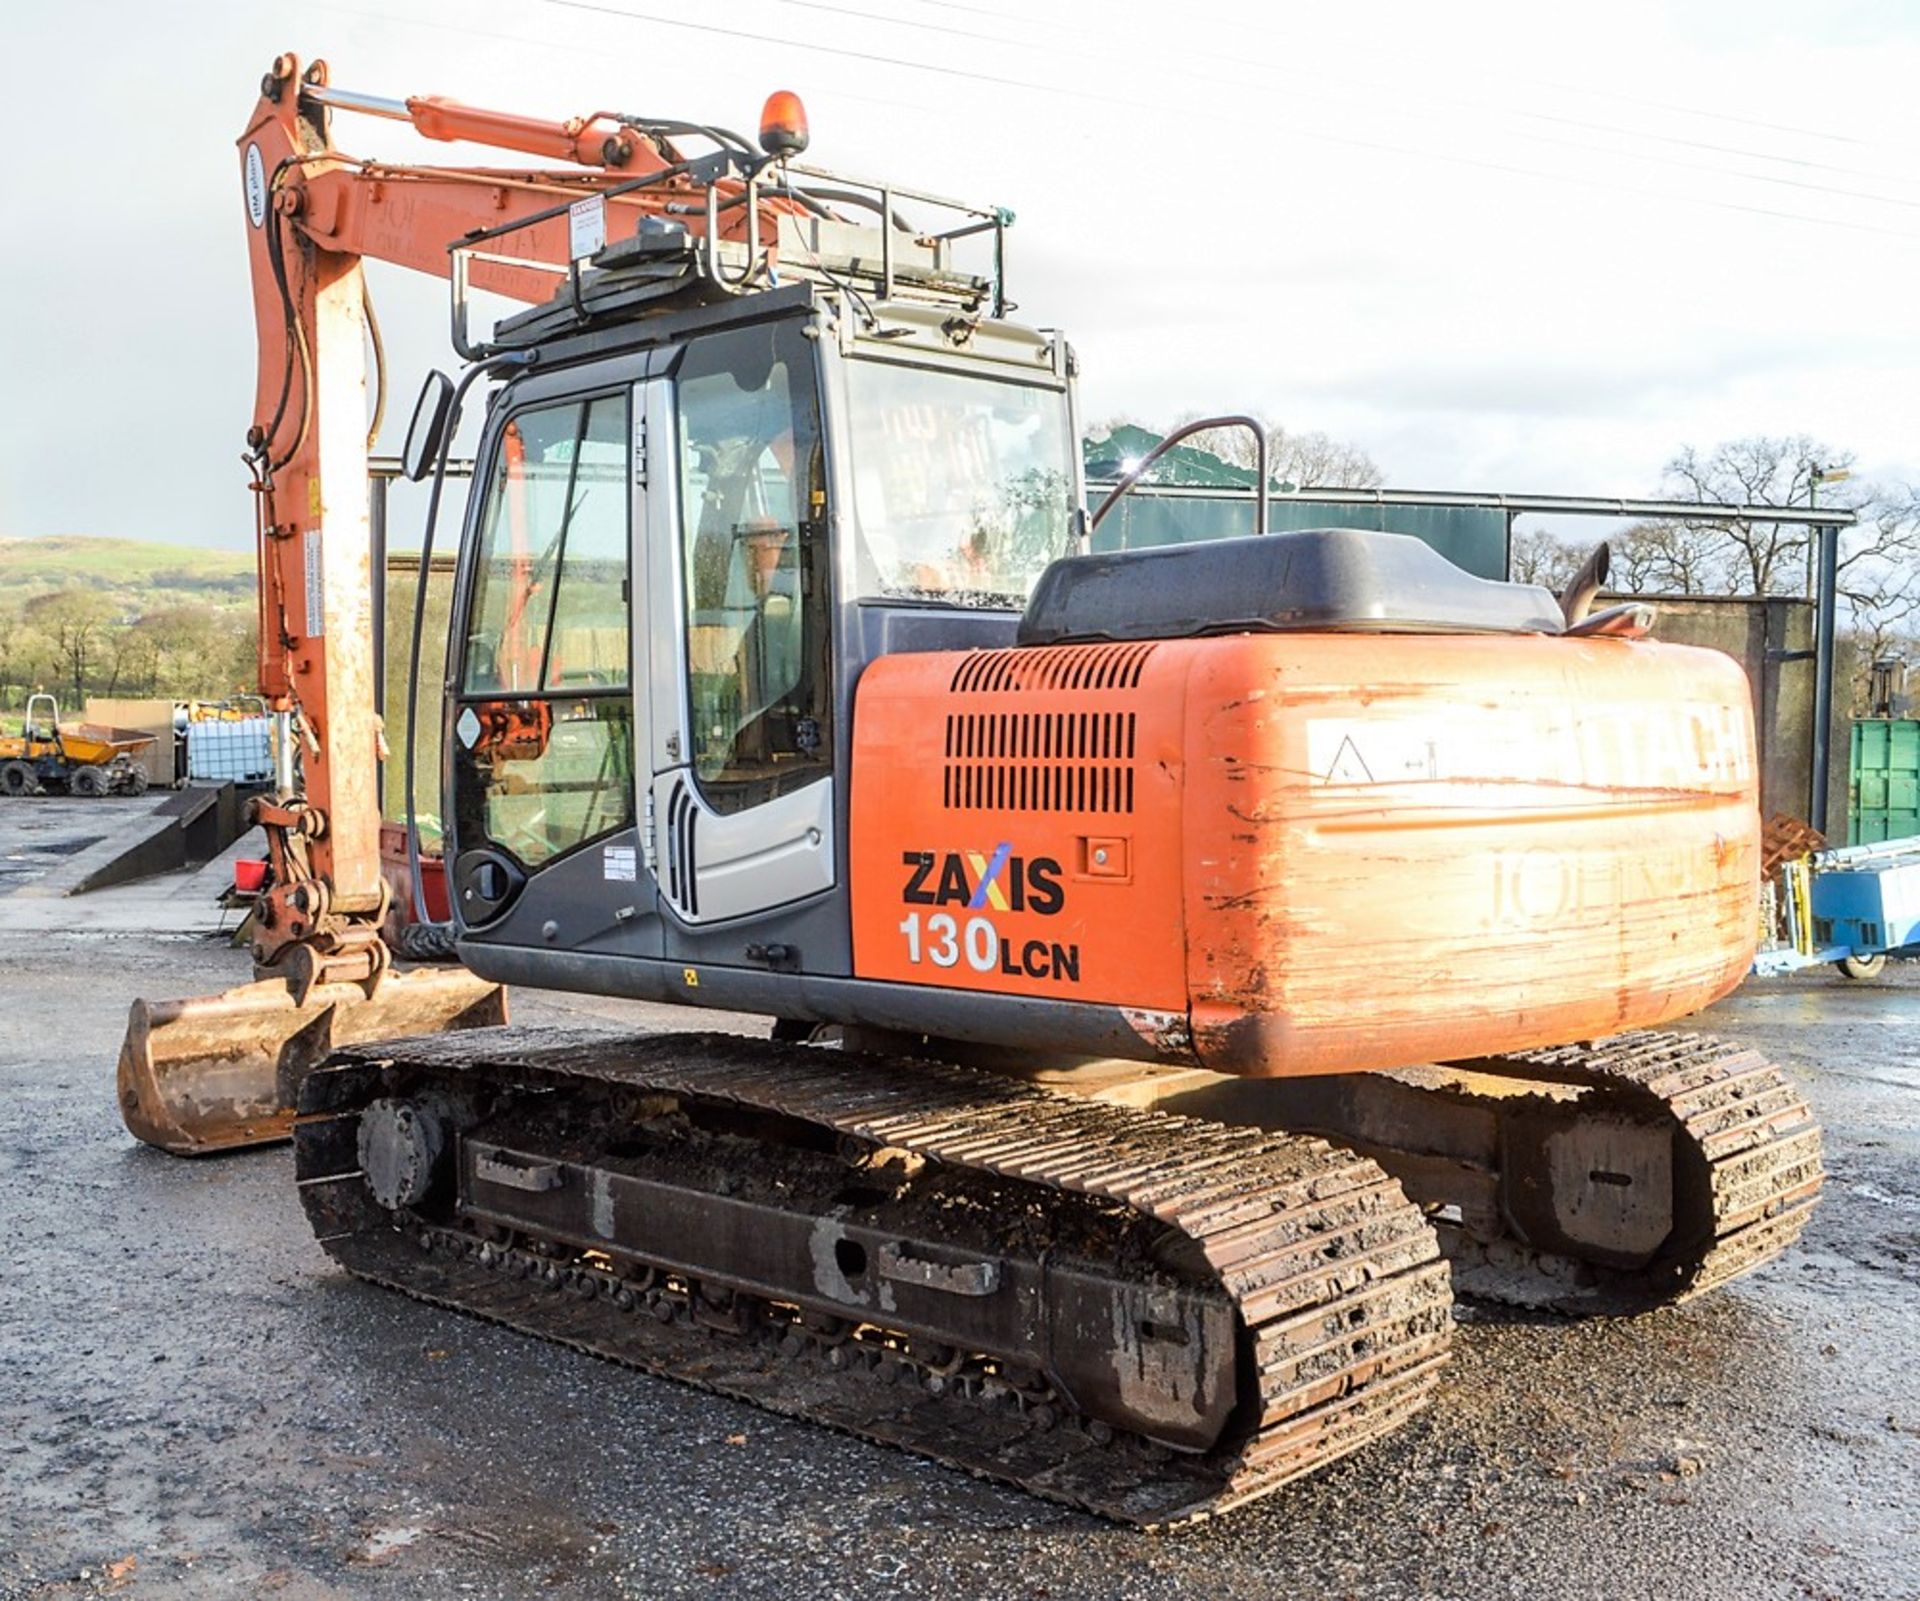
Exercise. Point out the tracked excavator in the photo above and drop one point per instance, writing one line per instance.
(1187, 967)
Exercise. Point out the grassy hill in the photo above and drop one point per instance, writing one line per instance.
(144, 573)
(123, 618)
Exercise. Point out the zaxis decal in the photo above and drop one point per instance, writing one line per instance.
(1005, 882)
(1002, 882)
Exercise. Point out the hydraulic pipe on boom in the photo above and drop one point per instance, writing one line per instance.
(218, 1072)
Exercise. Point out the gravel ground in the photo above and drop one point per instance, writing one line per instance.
(194, 1402)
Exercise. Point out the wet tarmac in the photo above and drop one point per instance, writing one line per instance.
(193, 1402)
(39, 834)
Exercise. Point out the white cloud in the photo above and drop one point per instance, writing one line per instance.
(1502, 246)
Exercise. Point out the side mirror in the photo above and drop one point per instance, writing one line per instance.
(427, 433)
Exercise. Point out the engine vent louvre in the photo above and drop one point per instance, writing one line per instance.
(1055, 668)
(682, 885)
(1039, 761)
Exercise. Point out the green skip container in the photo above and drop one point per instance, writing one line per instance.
(1883, 793)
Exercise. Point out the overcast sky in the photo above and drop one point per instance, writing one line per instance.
(1522, 247)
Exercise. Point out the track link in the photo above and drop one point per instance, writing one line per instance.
(1340, 1300)
(1747, 1168)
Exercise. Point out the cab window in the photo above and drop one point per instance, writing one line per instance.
(550, 605)
(755, 573)
(543, 734)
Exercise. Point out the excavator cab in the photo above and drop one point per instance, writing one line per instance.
(685, 550)
(709, 458)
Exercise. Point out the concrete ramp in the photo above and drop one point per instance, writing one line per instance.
(54, 846)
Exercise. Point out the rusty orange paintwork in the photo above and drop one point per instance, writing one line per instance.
(1323, 852)
(596, 141)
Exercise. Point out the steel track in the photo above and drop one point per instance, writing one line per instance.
(1341, 1301)
(1747, 1169)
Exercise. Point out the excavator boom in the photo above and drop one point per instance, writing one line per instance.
(219, 1072)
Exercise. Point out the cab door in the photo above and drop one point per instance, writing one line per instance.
(739, 598)
(547, 720)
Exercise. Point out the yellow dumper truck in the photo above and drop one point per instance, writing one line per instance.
(85, 759)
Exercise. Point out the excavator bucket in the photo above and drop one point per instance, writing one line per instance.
(220, 1072)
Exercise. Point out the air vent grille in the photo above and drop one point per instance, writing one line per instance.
(682, 886)
(1051, 669)
(1040, 761)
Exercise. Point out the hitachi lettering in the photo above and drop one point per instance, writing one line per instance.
(984, 881)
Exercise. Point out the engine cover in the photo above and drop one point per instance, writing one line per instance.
(1322, 851)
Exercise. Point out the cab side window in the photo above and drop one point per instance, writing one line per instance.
(550, 606)
(543, 737)
(755, 571)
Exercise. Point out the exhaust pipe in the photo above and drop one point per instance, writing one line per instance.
(1577, 599)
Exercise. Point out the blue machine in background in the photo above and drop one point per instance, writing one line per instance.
(1854, 907)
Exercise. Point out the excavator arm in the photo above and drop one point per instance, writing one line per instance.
(219, 1071)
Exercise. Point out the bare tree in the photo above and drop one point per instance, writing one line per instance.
(1879, 572)
(1878, 559)
(1539, 556)
(1315, 460)
(1762, 558)
(1308, 460)
(1638, 565)
(1666, 558)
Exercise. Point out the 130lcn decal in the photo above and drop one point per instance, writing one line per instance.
(1001, 882)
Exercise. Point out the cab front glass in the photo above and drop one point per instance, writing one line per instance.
(963, 484)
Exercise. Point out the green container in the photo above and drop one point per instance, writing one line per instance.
(1883, 793)
(1471, 537)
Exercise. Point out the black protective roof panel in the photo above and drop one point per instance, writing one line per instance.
(1313, 581)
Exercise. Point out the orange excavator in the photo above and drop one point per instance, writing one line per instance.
(1188, 968)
